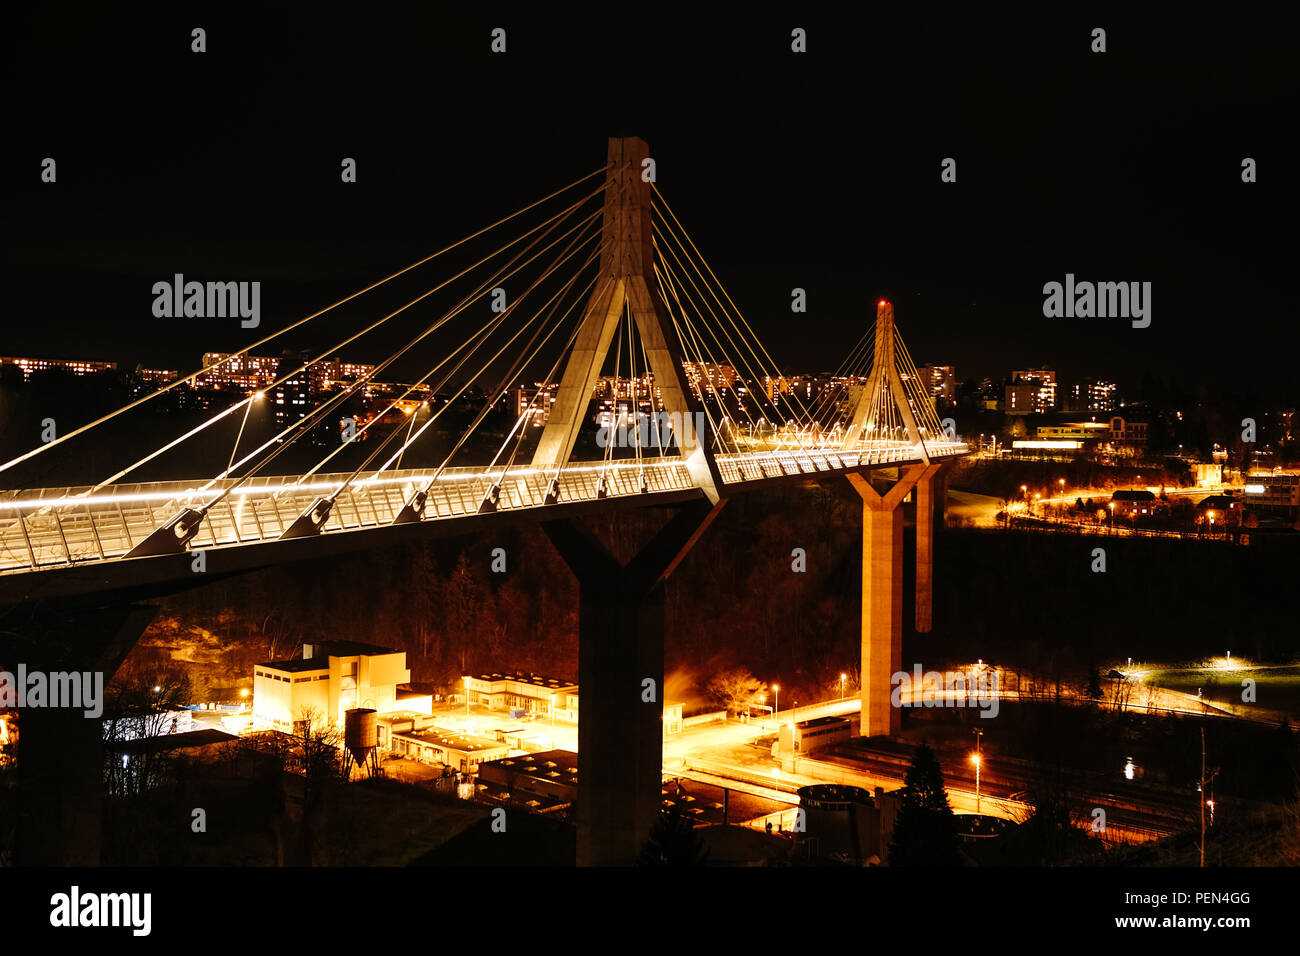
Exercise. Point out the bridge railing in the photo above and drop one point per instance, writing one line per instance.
(55, 527)
(778, 463)
(52, 527)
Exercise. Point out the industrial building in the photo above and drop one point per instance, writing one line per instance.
(399, 722)
(538, 696)
(539, 781)
(522, 694)
(329, 679)
(461, 752)
(816, 734)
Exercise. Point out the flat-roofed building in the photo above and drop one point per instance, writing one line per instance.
(399, 722)
(75, 366)
(461, 752)
(1278, 492)
(816, 734)
(1076, 431)
(940, 380)
(524, 693)
(1091, 395)
(329, 679)
(224, 370)
(538, 781)
(1031, 391)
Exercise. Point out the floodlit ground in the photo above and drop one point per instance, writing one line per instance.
(1276, 686)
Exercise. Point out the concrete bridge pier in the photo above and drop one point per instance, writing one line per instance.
(882, 596)
(620, 680)
(59, 820)
(929, 491)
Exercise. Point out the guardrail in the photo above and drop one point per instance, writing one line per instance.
(56, 527)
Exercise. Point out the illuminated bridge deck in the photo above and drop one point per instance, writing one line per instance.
(50, 528)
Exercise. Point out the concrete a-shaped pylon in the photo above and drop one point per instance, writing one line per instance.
(626, 267)
(884, 377)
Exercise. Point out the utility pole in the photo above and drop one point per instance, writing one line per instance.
(1201, 790)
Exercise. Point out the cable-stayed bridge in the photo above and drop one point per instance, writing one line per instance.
(606, 304)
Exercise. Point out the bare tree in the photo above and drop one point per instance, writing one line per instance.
(317, 756)
(735, 689)
(140, 706)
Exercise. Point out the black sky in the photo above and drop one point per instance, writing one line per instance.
(818, 170)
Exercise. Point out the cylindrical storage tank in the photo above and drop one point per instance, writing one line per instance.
(360, 731)
(840, 821)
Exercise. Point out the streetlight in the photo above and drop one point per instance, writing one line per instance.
(776, 711)
(794, 756)
(975, 759)
(843, 677)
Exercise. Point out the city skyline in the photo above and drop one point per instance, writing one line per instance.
(264, 200)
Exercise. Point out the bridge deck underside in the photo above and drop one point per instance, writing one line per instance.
(51, 528)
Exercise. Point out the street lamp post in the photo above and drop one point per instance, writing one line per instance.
(794, 711)
(776, 711)
(843, 677)
(976, 759)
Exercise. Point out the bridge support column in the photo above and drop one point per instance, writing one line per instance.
(59, 819)
(882, 598)
(620, 681)
(928, 487)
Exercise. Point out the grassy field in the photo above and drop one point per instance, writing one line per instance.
(1277, 687)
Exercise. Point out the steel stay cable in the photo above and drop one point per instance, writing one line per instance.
(568, 253)
(244, 351)
(336, 400)
(668, 209)
(429, 484)
(481, 335)
(554, 221)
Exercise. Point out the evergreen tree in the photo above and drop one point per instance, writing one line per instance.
(1094, 683)
(925, 833)
(673, 842)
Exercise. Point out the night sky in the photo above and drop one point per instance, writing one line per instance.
(818, 170)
